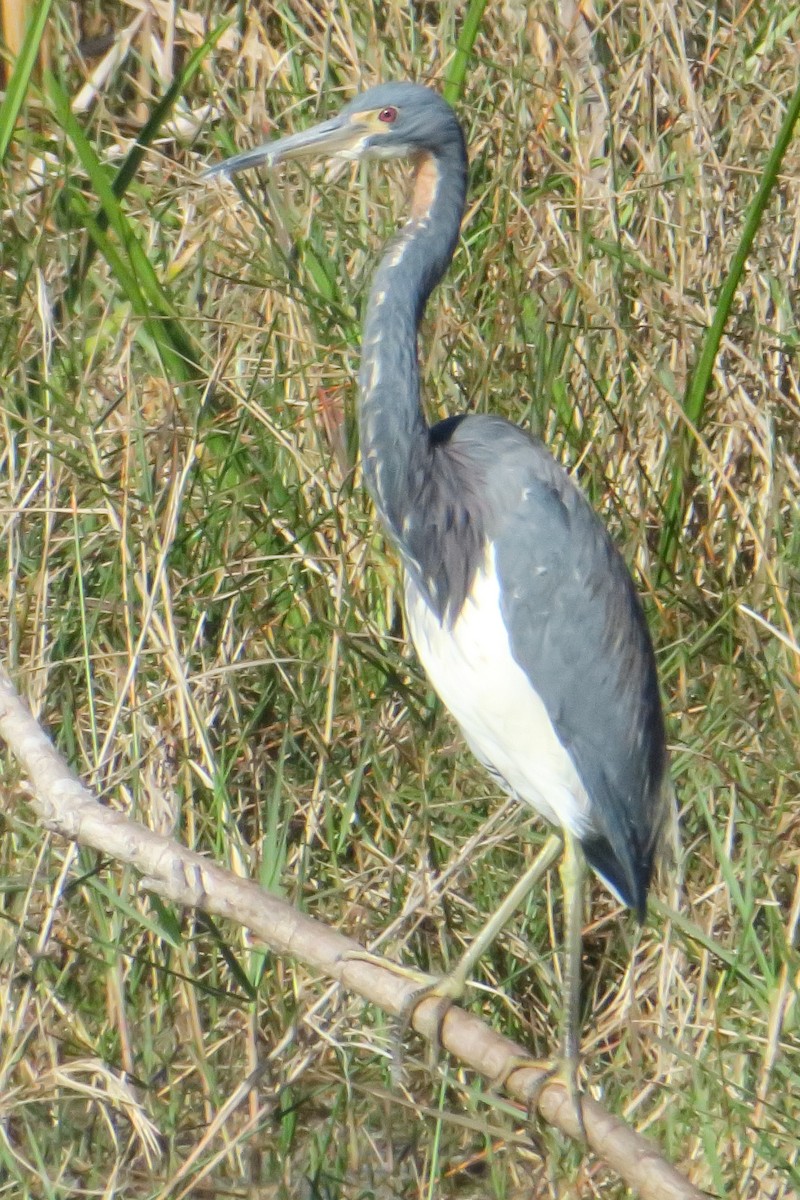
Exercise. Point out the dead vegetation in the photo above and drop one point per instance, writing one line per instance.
(199, 608)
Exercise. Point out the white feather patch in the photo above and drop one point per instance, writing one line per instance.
(503, 719)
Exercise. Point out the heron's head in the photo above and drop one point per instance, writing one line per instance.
(392, 120)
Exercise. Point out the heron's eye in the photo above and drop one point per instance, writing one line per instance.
(388, 115)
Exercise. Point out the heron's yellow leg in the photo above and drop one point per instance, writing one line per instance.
(451, 987)
(572, 872)
(565, 1068)
(377, 960)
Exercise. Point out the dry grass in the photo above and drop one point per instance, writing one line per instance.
(199, 607)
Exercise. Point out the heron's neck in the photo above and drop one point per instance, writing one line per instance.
(394, 432)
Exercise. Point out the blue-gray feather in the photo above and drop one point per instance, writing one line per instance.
(574, 621)
(576, 627)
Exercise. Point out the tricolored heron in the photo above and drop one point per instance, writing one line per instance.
(519, 605)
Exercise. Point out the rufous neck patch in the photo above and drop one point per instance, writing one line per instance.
(426, 182)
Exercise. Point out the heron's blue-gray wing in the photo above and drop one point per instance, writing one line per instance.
(577, 629)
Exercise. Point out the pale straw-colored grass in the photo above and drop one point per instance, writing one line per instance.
(198, 604)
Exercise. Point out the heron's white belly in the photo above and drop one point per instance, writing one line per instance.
(502, 717)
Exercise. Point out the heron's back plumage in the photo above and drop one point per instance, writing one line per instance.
(574, 628)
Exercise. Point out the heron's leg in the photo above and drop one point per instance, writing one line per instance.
(452, 985)
(565, 1069)
(572, 872)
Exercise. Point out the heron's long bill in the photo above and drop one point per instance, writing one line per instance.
(342, 137)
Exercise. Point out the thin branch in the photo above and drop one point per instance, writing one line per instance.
(68, 809)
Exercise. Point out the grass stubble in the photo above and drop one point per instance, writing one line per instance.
(199, 606)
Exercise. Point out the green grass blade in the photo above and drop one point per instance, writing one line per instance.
(700, 381)
(161, 329)
(21, 76)
(138, 279)
(133, 159)
(456, 72)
